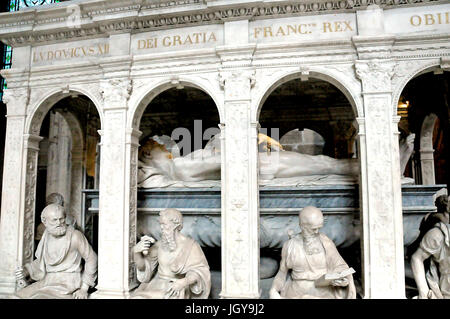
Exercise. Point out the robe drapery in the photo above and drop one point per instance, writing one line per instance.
(190, 261)
(58, 275)
(436, 243)
(305, 269)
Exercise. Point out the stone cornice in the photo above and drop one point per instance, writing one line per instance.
(99, 18)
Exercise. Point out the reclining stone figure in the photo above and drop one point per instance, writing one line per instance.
(159, 168)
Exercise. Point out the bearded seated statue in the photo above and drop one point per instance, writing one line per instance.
(311, 267)
(173, 267)
(58, 269)
(158, 167)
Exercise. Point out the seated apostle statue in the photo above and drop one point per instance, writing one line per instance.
(311, 267)
(433, 280)
(57, 269)
(173, 267)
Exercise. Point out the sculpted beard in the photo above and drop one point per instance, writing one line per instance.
(168, 239)
(57, 230)
(312, 243)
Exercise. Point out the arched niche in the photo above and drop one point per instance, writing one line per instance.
(71, 111)
(147, 93)
(424, 111)
(422, 104)
(294, 102)
(189, 116)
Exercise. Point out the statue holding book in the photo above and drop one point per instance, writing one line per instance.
(311, 267)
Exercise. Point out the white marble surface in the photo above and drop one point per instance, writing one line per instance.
(238, 74)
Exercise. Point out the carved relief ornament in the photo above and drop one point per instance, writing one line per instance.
(375, 75)
(16, 100)
(115, 92)
(237, 84)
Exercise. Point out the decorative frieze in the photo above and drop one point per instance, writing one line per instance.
(190, 13)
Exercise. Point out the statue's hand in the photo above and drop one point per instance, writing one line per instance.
(21, 273)
(341, 282)
(143, 245)
(80, 294)
(176, 288)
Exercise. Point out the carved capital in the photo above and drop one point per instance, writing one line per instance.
(115, 92)
(237, 83)
(375, 75)
(445, 63)
(16, 100)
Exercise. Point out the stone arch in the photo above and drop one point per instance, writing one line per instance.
(426, 149)
(317, 73)
(424, 68)
(41, 107)
(154, 89)
(31, 151)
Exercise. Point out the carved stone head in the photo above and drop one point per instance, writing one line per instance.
(171, 222)
(172, 218)
(54, 198)
(442, 204)
(54, 218)
(311, 220)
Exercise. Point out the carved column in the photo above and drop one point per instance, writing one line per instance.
(426, 150)
(59, 164)
(13, 181)
(380, 185)
(76, 185)
(240, 196)
(30, 173)
(117, 211)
